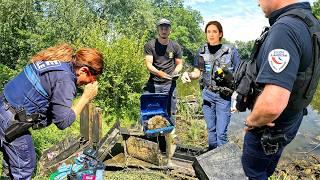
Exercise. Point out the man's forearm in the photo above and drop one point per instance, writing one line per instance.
(178, 69)
(152, 69)
(259, 118)
(269, 105)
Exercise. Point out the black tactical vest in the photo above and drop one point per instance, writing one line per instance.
(304, 86)
(307, 81)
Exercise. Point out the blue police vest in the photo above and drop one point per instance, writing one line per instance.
(25, 90)
(221, 59)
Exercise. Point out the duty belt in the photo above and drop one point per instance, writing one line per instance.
(214, 89)
(221, 90)
(7, 105)
(21, 122)
(16, 112)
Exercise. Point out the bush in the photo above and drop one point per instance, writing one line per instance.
(6, 74)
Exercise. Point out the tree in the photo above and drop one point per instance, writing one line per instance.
(126, 18)
(244, 49)
(316, 8)
(16, 18)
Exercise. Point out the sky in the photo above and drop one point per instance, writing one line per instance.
(241, 19)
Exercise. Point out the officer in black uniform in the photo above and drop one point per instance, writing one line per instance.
(277, 84)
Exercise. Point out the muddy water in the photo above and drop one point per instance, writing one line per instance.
(306, 141)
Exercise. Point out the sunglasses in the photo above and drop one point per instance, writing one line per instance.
(92, 71)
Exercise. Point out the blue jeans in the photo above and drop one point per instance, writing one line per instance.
(256, 164)
(165, 88)
(217, 114)
(19, 154)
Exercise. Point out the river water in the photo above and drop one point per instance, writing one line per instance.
(306, 141)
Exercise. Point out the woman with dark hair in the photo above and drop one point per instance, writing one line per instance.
(214, 64)
(40, 95)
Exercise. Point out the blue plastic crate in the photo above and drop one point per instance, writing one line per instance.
(152, 104)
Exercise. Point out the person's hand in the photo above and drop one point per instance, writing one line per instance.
(185, 77)
(233, 108)
(164, 75)
(90, 90)
(248, 128)
(249, 125)
(175, 75)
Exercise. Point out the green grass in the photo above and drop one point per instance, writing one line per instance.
(316, 100)
(133, 175)
(187, 89)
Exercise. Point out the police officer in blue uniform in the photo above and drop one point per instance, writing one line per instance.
(40, 95)
(215, 63)
(277, 84)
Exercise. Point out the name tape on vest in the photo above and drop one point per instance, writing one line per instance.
(40, 65)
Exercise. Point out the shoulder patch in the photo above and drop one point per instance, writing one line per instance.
(41, 65)
(278, 59)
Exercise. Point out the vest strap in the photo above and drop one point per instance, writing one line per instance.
(35, 81)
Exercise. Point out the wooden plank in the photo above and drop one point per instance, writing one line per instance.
(91, 123)
(108, 141)
(131, 132)
(69, 160)
(61, 151)
(84, 122)
(91, 120)
(112, 139)
(96, 126)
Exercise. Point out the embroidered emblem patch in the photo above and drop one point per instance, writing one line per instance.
(278, 59)
(40, 65)
(170, 55)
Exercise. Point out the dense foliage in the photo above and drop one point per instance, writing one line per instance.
(118, 28)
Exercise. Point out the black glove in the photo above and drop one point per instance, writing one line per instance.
(241, 103)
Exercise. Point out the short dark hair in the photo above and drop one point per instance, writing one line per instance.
(217, 24)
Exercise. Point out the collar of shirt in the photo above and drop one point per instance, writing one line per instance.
(275, 14)
(73, 72)
(213, 49)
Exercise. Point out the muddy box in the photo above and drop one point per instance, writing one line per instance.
(223, 162)
(153, 104)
